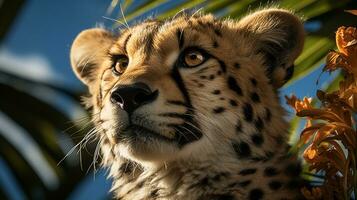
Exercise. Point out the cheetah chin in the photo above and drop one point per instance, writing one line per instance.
(188, 108)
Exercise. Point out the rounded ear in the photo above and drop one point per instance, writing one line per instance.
(278, 35)
(88, 51)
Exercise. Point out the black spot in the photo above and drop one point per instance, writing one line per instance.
(271, 171)
(257, 139)
(203, 77)
(256, 194)
(255, 97)
(217, 177)
(275, 185)
(253, 81)
(267, 114)
(215, 44)
(293, 169)
(242, 149)
(222, 98)
(154, 193)
(248, 112)
(239, 127)
(233, 103)
(294, 183)
(200, 85)
(219, 73)
(218, 110)
(218, 32)
(211, 77)
(244, 183)
(259, 124)
(204, 181)
(248, 171)
(216, 92)
(233, 85)
(237, 65)
(140, 184)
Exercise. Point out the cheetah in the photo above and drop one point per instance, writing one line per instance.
(188, 108)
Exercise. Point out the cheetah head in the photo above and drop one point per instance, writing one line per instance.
(183, 88)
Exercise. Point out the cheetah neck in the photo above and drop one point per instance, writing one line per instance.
(216, 177)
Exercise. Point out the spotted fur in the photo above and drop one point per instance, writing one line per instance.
(214, 131)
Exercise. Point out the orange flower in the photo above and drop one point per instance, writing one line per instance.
(330, 130)
(297, 104)
(346, 40)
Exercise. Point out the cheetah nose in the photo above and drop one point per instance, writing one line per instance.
(131, 97)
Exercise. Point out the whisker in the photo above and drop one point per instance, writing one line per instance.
(114, 20)
(122, 14)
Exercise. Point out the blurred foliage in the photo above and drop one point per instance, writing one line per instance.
(32, 111)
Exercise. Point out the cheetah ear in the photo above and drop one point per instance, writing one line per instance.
(88, 52)
(277, 35)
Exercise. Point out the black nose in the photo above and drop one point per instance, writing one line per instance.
(131, 97)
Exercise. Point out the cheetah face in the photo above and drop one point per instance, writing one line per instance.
(166, 90)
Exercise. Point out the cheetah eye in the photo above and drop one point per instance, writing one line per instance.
(120, 62)
(194, 58)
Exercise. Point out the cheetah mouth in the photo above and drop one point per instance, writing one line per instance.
(142, 133)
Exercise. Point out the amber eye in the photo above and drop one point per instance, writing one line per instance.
(120, 62)
(194, 58)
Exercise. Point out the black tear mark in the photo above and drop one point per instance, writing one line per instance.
(185, 133)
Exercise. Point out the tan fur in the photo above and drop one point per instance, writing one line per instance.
(216, 166)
